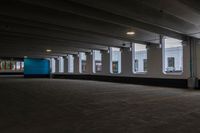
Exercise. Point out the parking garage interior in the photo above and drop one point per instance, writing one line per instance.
(99, 66)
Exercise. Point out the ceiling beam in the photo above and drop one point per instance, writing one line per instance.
(97, 14)
(69, 19)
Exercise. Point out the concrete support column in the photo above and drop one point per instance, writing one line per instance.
(65, 64)
(193, 80)
(57, 65)
(126, 62)
(154, 61)
(76, 64)
(105, 62)
(89, 63)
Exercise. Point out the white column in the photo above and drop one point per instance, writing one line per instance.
(52, 65)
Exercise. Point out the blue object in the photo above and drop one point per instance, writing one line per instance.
(36, 67)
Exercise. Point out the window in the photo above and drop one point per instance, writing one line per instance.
(11, 65)
(82, 62)
(172, 55)
(18, 65)
(139, 52)
(170, 61)
(70, 63)
(97, 61)
(61, 65)
(115, 55)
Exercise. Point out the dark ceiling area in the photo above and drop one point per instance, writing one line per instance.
(29, 27)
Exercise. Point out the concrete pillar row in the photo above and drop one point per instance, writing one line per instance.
(76, 64)
(57, 65)
(154, 61)
(65, 64)
(89, 63)
(193, 79)
(126, 56)
(105, 62)
(52, 64)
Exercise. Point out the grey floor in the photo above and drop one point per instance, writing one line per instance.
(73, 106)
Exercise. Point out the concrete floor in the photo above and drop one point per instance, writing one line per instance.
(73, 106)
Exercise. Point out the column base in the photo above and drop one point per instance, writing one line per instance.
(193, 83)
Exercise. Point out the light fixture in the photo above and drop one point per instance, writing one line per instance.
(48, 50)
(130, 33)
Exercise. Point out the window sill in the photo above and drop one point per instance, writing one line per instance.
(173, 73)
(116, 73)
(142, 73)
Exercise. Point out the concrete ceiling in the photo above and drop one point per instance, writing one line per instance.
(29, 27)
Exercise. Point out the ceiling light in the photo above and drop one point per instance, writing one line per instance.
(48, 50)
(130, 33)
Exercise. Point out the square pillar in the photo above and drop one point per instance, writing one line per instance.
(126, 62)
(76, 64)
(154, 61)
(89, 63)
(53, 65)
(65, 64)
(57, 65)
(105, 62)
(193, 81)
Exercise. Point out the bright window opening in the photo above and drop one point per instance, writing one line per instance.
(70, 63)
(97, 61)
(139, 52)
(61, 65)
(172, 55)
(18, 63)
(115, 63)
(82, 62)
(11, 66)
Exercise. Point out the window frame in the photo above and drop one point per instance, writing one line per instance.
(94, 62)
(80, 62)
(68, 63)
(163, 57)
(111, 62)
(133, 59)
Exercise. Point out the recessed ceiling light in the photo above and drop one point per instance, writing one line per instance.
(130, 33)
(48, 50)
